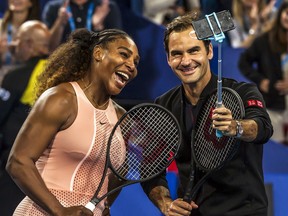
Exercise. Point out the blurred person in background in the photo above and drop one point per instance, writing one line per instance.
(208, 6)
(251, 18)
(63, 17)
(16, 98)
(162, 12)
(18, 12)
(192, 5)
(265, 62)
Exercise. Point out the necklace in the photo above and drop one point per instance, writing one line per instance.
(85, 86)
(103, 105)
(97, 105)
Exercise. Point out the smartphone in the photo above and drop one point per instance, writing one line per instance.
(203, 29)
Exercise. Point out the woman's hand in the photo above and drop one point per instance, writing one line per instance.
(75, 211)
(106, 211)
(265, 13)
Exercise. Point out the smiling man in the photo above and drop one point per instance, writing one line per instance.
(237, 189)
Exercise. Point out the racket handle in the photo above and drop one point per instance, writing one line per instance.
(188, 195)
(187, 198)
(219, 134)
(90, 206)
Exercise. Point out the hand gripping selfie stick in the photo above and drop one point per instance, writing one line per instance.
(215, 25)
(219, 38)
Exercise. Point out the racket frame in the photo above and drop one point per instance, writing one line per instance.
(192, 188)
(95, 199)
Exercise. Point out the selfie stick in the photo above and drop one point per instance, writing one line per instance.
(219, 38)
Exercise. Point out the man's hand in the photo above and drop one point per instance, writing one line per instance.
(264, 85)
(63, 14)
(100, 14)
(180, 207)
(223, 121)
(282, 86)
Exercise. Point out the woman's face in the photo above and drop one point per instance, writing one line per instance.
(19, 5)
(284, 18)
(119, 61)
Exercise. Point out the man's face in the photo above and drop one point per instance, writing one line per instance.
(188, 57)
(20, 46)
(30, 41)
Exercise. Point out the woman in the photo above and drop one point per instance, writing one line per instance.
(58, 156)
(17, 13)
(251, 17)
(265, 63)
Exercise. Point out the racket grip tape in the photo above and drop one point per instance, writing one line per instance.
(90, 206)
(188, 193)
(219, 134)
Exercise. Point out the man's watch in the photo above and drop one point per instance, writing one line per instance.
(239, 129)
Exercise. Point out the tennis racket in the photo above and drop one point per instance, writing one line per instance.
(151, 137)
(210, 152)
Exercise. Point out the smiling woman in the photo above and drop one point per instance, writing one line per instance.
(70, 123)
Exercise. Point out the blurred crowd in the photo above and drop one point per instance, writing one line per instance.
(251, 18)
(30, 30)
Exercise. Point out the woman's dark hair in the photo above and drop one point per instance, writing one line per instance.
(71, 60)
(277, 33)
(180, 24)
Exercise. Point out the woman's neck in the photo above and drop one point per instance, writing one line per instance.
(18, 18)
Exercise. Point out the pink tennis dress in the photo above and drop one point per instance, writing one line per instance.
(72, 166)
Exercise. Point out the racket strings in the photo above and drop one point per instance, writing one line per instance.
(211, 151)
(152, 138)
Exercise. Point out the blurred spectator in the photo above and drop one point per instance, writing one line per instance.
(192, 5)
(16, 98)
(208, 6)
(162, 11)
(63, 17)
(16, 13)
(265, 62)
(251, 17)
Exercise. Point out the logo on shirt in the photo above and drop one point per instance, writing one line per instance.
(256, 103)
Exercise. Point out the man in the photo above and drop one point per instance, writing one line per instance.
(238, 188)
(63, 17)
(16, 99)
